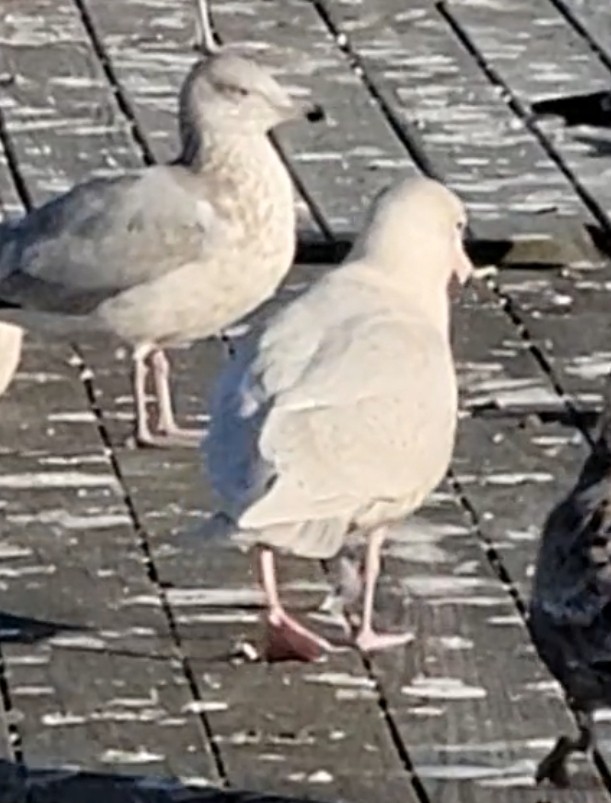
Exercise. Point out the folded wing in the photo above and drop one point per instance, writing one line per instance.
(102, 237)
(322, 414)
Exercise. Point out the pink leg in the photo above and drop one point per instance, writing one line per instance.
(169, 430)
(367, 640)
(144, 436)
(287, 639)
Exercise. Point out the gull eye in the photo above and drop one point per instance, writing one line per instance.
(235, 91)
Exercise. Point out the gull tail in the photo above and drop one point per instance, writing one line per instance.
(590, 109)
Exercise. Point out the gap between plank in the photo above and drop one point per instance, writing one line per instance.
(579, 28)
(520, 111)
(86, 376)
(408, 136)
(403, 130)
(206, 731)
(139, 136)
(516, 106)
(123, 102)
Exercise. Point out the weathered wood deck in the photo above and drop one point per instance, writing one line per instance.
(117, 681)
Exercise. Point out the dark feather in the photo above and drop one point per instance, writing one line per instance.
(570, 609)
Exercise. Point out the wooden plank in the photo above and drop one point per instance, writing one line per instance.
(69, 120)
(531, 459)
(468, 134)
(100, 688)
(591, 20)
(567, 318)
(501, 394)
(553, 62)
(91, 700)
(502, 386)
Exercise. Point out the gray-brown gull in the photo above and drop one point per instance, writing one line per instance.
(570, 606)
(339, 415)
(176, 252)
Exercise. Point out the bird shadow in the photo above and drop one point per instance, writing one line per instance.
(26, 630)
(22, 784)
(584, 419)
(600, 147)
(504, 252)
(312, 250)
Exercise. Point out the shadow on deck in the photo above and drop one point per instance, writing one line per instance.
(20, 784)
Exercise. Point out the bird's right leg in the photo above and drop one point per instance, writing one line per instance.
(170, 434)
(144, 436)
(367, 639)
(553, 767)
(287, 639)
(143, 360)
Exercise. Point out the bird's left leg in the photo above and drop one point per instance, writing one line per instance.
(143, 434)
(205, 39)
(287, 639)
(167, 425)
(367, 640)
(553, 767)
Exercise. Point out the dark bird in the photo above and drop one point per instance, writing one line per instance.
(594, 108)
(570, 606)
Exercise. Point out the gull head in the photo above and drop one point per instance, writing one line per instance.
(234, 95)
(421, 224)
